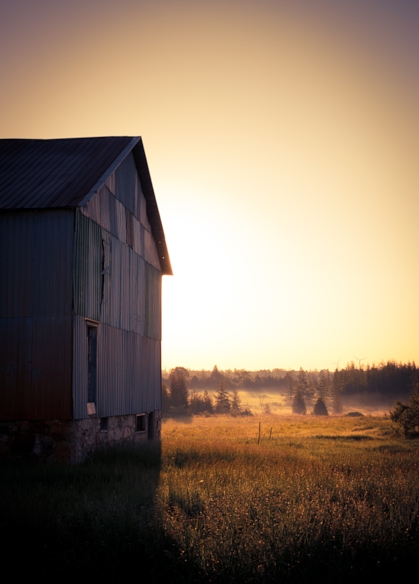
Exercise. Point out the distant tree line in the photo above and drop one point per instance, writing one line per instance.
(178, 400)
(391, 378)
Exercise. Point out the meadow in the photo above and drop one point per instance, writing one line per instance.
(308, 499)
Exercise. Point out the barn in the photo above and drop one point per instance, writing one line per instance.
(82, 254)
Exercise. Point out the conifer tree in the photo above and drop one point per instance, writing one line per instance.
(299, 404)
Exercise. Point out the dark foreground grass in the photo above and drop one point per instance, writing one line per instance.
(318, 501)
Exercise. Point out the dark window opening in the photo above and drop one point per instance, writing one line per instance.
(141, 427)
(103, 424)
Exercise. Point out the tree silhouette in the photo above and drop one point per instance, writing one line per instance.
(222, 400)
(299, 404)
(320, 408)
(178, 386)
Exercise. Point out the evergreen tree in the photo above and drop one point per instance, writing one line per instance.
(320, 408)
(178, 386)
(299, 404)
(235, 402)
(222, 400)
(166, 401)
(208, 405)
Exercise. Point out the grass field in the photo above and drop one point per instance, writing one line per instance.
(308, 500)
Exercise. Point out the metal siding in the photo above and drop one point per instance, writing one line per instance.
(40, 174)
(143, 212)
(126, 183)
(105, 218)
(152, 327)
(112, 202)
(35, 260)
(150, 250)
(87, 268)
(54, 173)
(121, 231)
(36, 255)
(137, 243)
(80, 367)
(92, 208)
(110, 183)
(35, 368)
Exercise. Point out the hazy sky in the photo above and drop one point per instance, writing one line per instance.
(282, 140)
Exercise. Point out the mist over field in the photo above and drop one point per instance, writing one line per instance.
(370, 390)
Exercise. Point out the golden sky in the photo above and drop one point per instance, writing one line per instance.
(282, 140)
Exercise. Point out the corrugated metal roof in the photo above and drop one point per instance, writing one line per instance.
(38, 174)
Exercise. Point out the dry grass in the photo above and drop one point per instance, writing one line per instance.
(317, 500)
(317, 497)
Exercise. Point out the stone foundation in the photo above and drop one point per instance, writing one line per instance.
(73, 440)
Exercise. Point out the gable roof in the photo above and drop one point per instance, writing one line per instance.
(41, 174)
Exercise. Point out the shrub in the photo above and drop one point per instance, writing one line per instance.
(406, 416)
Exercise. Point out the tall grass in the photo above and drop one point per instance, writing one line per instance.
(317, 500)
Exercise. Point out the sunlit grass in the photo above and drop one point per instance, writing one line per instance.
(309, 500)
(318, 495)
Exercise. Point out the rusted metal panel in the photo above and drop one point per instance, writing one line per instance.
(87, 267)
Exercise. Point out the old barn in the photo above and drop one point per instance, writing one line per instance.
(82, 254)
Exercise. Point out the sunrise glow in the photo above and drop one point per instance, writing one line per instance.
(282, 140)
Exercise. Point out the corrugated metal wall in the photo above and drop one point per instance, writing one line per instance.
(36, 253)
(121, 203)
(117, 271)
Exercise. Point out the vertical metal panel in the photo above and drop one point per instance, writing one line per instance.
(88, 267)
(124, 288)
(143, 212)
(105, 220)
(92, 209)
(113, 372)
(152, 326)
(35, 368)
(129, 228)
(36, 249)
(126, 183)
(36, 254)
(80, 367)
(116, 277)
(105, 314)
(121, 230)
(150, 250)
(137, 244)
(112, 203)
(110, 183)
